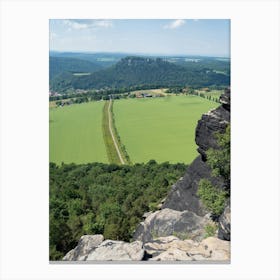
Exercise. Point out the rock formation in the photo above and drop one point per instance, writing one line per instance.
(184, 224)
(173, 249)
(92, 247)
(169, 248)
(86, 244)
(224, 224)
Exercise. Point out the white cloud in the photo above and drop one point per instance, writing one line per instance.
(86, 24)
(74, 24)
(175, 24)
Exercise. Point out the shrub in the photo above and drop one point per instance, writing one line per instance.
(210, 229)
(212, 198)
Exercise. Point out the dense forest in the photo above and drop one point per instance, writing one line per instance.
(60, 65)
(151, 72)
(104, 198)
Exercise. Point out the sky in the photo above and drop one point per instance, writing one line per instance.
(207, 37)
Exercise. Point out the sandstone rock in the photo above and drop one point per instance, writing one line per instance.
(224, 224)
(215, 121)
(111, 250)
(162, 244)
(171, 222)
(211, 248)
(183, 193)
(172, 249)
(172, 255)
(85, 245)
(225, 99)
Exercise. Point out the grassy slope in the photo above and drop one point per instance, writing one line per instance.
(160, 128)
(76, 134)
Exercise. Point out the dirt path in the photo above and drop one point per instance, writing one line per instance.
(112, 134)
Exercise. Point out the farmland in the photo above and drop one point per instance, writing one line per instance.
(149, 128)
(160, 128)
(76, 134)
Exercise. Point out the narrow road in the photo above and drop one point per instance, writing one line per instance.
(112, 134)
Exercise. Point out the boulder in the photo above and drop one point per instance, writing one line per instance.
(85, 245)
(111, 250)
(172, 249)
(171, 222)
(211, 248)
(224, 224)
(163, 244)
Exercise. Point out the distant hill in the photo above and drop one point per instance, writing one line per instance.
(102, 59)
(62, 65)
(132, 70)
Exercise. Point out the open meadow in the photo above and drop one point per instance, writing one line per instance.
(76, 134)
(160, 128)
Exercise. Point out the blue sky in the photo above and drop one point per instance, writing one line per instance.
(156, 36)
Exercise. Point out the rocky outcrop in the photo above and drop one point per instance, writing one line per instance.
(169, 248)
(86, 244)
(215, 121)
(173, 249)
(224, 224)
(111, 250)
(92, 247)
(183, 193)
(184, 224)
(211, 123)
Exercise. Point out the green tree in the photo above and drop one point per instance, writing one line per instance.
(219, 159)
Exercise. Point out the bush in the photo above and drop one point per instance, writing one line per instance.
(212, 198)
(210, 230)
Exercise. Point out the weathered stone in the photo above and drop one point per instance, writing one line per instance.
(183, 195)
(215, 121)
(161, 244)
(111, 250)
(171, 222)
(85, 245)
(211, 248)
(224, 224)
(172, 254)
(172, 249)
(225, 99)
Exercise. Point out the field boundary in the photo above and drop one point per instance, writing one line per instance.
(117, 137)
(112, 133)
(116, 152)
(111, 150)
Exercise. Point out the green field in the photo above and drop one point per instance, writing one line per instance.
(76, 134)
(160, 128)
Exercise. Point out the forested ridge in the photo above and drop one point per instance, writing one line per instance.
(153, 72)
(63, 65)
(104, 198)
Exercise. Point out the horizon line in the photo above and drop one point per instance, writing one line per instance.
(139, 53)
